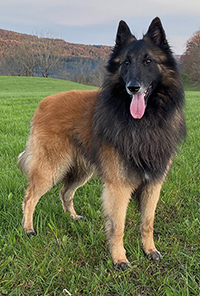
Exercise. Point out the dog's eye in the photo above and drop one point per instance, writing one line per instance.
(147, 61)
(126, 62)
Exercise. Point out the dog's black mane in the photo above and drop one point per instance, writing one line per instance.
(146, 144)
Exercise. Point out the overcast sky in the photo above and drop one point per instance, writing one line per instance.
(96, 21)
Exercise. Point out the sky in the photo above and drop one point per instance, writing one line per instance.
(95, 22)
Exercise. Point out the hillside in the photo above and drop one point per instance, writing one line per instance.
(10, 39)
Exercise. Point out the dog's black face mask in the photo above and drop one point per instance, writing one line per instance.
(137, 65)
(140, 74)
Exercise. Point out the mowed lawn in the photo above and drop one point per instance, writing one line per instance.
(71, 257)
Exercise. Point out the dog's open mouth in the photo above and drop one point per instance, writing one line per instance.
(139, 102)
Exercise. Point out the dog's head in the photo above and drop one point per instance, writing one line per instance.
(138, 63)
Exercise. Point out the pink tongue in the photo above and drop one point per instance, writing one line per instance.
(137, 106)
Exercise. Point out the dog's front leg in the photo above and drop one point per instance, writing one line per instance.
(115, 201)
(149, 199)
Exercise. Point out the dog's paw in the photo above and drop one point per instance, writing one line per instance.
(80, 218)
(77, 217)
(155, 255)
(122, 265)
(31, 233)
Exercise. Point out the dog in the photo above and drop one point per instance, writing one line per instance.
(127, 132)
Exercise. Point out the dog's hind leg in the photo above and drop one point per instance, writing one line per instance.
(43, 173)
(40, 183)
(149, 199)
(75, 178)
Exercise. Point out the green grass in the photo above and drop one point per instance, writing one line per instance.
(73, 255)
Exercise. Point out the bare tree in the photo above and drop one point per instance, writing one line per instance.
(47, 57)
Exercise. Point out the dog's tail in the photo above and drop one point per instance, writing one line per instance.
(22, 163)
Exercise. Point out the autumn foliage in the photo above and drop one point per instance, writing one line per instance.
(191, 58)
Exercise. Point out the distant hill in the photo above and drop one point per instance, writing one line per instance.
(10, 39)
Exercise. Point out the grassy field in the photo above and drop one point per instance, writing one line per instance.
(68, 257)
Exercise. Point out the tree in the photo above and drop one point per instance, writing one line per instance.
(191, 58)
(47, 57)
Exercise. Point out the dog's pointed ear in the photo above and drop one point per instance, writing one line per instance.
(124, 34)
(157, 34)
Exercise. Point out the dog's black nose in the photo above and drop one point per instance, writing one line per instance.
(134, 88)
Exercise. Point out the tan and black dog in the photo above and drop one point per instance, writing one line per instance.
(127, 132)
